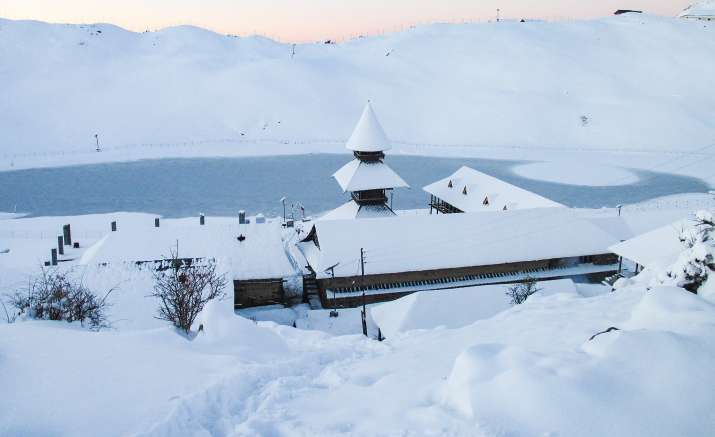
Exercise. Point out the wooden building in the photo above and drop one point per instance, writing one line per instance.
(469, 190)
(405, 254)
(367, 178)
(257, 292)
(251, 255)
(654, 249)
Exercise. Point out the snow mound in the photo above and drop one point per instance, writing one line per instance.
(451, 309)
(672, 309)
(584, 173)
(223, 330)
(649, 378)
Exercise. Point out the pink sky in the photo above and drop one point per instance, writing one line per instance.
(306, 20)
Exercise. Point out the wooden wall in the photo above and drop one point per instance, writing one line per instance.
(382, 280)
(256, 292)
(394, 278)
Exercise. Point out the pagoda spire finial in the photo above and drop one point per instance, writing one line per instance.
(368, 135)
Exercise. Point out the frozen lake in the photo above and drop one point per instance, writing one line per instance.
(223, 186)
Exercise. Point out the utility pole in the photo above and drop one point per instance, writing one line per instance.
(362, 276)
(334, 312)
(283, 200)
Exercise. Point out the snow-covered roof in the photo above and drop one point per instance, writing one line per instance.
(358, 175)
(705, 8)
(351, 210)
(470, 191)
(655, 249)
(368, 135)
(260, 256)
(425, 242)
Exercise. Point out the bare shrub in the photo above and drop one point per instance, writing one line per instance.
(521, 291)
(9, 317)
(185, 288)
(53, 295)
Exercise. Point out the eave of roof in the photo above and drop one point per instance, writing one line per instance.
(357, 175)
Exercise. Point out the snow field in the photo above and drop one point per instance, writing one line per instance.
(528, 370)
(584, 173)
(633, 84)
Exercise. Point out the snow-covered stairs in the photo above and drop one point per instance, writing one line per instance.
(310, 292)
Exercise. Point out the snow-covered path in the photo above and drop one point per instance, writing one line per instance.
(536, 374)
(530, 370)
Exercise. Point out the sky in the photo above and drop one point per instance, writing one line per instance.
(310, 20)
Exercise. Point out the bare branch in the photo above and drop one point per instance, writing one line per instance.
(184, 288)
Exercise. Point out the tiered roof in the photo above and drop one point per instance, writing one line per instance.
(367, 171)
(351, 210)
(359, 175)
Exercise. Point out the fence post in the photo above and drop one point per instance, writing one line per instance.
(67, 234)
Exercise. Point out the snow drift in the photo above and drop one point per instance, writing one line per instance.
(649, 378)
(452, 308)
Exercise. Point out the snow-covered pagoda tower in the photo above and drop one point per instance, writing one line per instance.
(367, 177)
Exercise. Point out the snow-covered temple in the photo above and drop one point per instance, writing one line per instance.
(409, 253)
(367, 178)
(469, 190)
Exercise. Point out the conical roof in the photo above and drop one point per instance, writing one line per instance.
(368, 135)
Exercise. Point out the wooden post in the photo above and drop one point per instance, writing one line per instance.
(53, 254)
(114, 226)
(202, 220)
(67, 234)
(363, 313)
(156, 222)
(60, 245)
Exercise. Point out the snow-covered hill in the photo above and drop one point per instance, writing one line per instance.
(632, 82)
